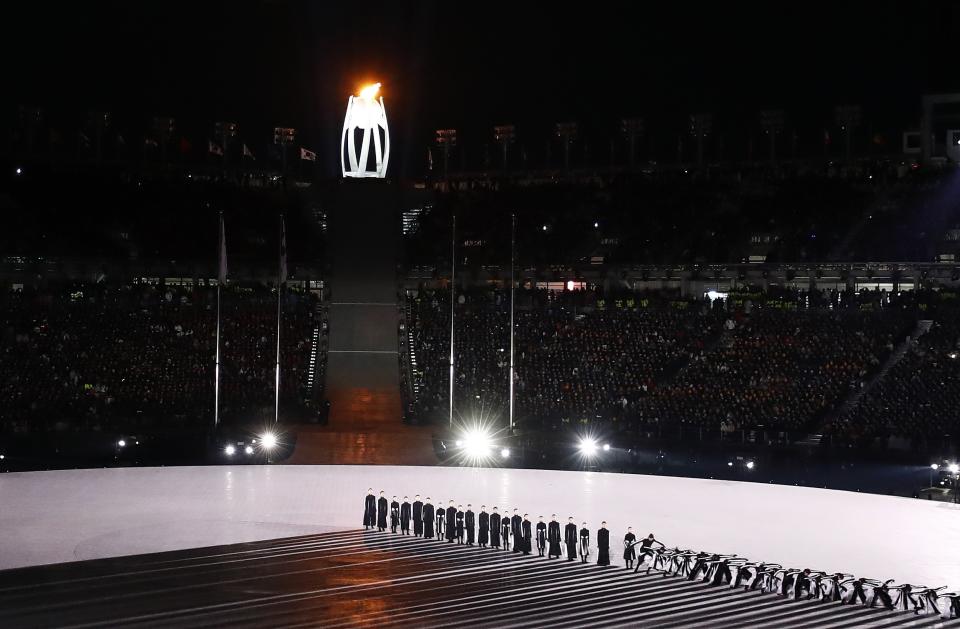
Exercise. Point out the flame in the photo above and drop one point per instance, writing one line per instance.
(369, 92)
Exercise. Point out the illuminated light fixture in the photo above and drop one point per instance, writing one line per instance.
(248, 449)
(19, 170)
(505, 453)
(588, 447)
(934, 466)
(953, 468)
(229, 450)
(477, 443)
(365, 112)
(268, 440)
(570, 284)
(459, 443)
(750, 465)
(606, 447)
(122, 443)
(729, 463)
(2, 456)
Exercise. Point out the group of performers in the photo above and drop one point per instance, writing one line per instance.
(464, 526)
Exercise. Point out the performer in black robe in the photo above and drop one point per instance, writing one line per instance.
(460, 530)
(470, 525)
(405, 516)
(382, 513)
(506, 527)
(483, 520)
(629, 552)
(526, 530)
(515, 523)
(553, 535)
(417, 516)
(541, 536)
(495, 528)
(426, 524)
(603, 545)
(584, 543)
(450, 526)
(570, 539)
(647, 551)
(441, 521)
(369, 510)
(394, 515)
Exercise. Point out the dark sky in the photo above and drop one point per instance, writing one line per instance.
(471, 65)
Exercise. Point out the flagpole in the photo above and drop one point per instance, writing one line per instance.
(513, 229)
(216, 369)
(280, 281)
(453, 295)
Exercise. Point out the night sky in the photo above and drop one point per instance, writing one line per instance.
(472, 65)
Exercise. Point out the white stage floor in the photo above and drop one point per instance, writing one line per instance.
(52, 517)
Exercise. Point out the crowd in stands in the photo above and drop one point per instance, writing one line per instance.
(100, 356)
(783, 363)
(919, 396)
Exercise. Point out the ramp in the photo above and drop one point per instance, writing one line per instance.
(363, 372)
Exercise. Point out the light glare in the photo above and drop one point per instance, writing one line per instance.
(268, 440)
(229, 450)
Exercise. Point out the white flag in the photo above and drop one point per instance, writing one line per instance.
(222, 275)
(310, 156)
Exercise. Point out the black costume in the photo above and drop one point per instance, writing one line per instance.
(484, 520)
(405, 518)
(441, 520)
(515, 523)
(451, 523)
(426, 524)
(381, 514)
(526, 543)
(460, 517)
(603, 547)
(570, 539)
(553, 535)
(646, 550)
(418, 518)
(369, 511)
(470, 523)
(495, 530)
(506, 529)
(394, 516)
(629, 554)
(541, 537)
(584, 544)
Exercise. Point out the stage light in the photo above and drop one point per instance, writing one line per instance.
(229, 450)
(248, 449)
(953, 468)
(477, 443)
(268, 440)
(459, 443)
(606, 447)
(596, 224)
(729, 463)
(505, 453)
(934, 467)
(588, 447)
(19, 170)
(122, 443)
(2, 456)
(749, 465)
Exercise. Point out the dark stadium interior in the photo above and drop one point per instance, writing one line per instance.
(666, 239)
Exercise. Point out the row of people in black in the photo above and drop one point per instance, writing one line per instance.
(458, 524)
(491, 528)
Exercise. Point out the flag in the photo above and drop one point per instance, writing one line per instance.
(310, 156)
(222, 274)
(283, 251)
(214, 148)
(248, 153)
